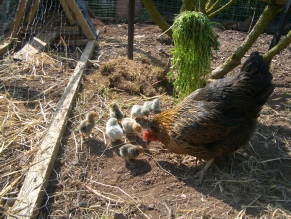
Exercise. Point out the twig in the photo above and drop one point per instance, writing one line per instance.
(104, 137)
(170, 211)
(274, 159)
(103, 196)
(158, 164)
(115, 187)
(45, 91)
(11, 173)
(117, 89)
(25, 101)
(42, 112)
(150, 98)
(165, 31)
(249, 205)
(76, 144)
(94, 62)
(237, 181)
(5, 190)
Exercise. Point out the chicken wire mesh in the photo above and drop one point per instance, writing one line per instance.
(31, 84)
(48, 17)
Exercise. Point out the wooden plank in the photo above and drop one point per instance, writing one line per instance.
(36, 180)
(4, 47)
(67, 11)
(59, 29)
(35, 45)
(31, 14)
(19, 15)
(81, 20)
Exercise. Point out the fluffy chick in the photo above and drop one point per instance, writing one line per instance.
(129, 152)
(115, 112)
(130, 126)
(86, 126)
(138, 111)
(113, 130)
(154, 105)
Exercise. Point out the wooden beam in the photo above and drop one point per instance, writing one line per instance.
(31, 14)
(76, 42)
(81, 20)
(32, 191)
(34, 46)
(19, 16)
(67, 11)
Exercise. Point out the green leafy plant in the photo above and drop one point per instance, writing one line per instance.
(193, 40)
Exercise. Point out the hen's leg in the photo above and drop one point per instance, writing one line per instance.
(202, 172)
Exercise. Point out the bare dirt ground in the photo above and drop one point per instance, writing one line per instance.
(91, 180)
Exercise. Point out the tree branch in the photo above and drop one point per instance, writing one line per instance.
(212, 14)
(157, 18)
(203, 6)
(213, 6)
(234, 60)
(209, 4)
(283, 43)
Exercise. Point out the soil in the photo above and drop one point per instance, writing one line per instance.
(91, 180)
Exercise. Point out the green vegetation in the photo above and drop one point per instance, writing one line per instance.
(193, 39)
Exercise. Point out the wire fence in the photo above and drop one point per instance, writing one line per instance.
(117, 10)
(7, 14)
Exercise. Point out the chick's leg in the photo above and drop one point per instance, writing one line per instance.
(128, 160)
(202, 172)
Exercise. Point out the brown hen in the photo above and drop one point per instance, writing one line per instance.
(217, 119)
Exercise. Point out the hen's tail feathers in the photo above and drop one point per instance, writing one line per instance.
(257, 70)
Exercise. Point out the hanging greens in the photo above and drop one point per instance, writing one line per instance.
(193, 39)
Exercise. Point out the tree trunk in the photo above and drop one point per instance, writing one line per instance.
(234, 60)
(157, 18)
(187, 5)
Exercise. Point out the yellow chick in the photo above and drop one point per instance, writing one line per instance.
(129, 151)
(130, 126)
(139, 112)
(113, 130)
(86, 126)
(115, 112)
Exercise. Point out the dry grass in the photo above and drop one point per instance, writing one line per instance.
(27, 102)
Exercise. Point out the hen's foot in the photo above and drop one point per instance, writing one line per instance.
(200, 175)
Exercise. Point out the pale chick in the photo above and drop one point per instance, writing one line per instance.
(139, 112)
(113, 130)
(130, 126)
(115, 112)
(153, 106)
(129, 152)
(86, 126)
